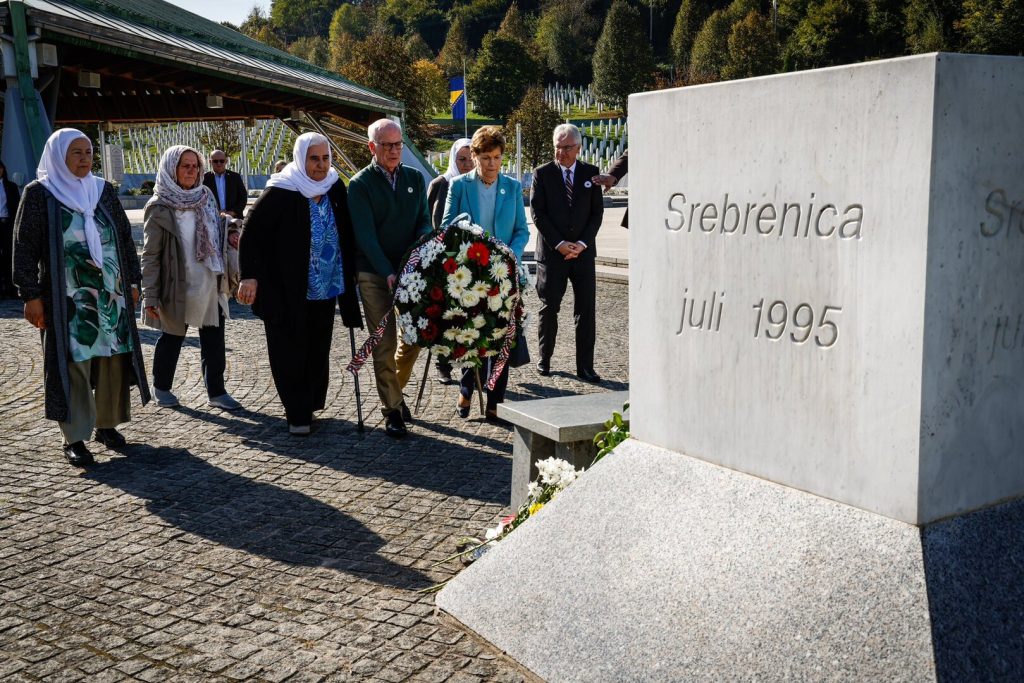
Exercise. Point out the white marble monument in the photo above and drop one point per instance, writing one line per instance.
(827, 396)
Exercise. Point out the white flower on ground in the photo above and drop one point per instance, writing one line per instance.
(553, 470)
(533, 490)
(493, 532)
(479, 322)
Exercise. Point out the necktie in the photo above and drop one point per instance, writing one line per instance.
(568, 185)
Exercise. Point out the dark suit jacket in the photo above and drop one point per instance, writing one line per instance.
(619, 169)
(234, 192)
(555, 220)
(437, 193)
(11, 190)
(274, 249)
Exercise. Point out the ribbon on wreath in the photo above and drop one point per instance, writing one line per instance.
(411, 264)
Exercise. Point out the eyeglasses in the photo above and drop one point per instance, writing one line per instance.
(218, 161)
(566, 148)
(388, 146)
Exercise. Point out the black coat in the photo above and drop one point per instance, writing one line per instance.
(234, 192)
(11, 190)
(618, 170)
(555, 220)
(437, 194)
(274, 250)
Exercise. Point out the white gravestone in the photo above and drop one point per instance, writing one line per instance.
(828, 267)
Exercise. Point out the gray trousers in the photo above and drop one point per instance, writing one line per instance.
(105, 407)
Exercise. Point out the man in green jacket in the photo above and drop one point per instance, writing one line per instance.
(388, 203)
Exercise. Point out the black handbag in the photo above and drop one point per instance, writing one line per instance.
(520, 353)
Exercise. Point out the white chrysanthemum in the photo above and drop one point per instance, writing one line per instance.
(461, 256)
(494, 303)
(430, 251)
(480, 288)
(499, 332)
(533, 490)
(441, 350)
(504, 288)
(462, 277)
(454, 313)
(479, 322)
(465, 337)
(455, 291)
(415, 296)
(469, 298)
(402, 295)
(553, 470)
(510, 303)
(491, 353)
(451, 333)
(422, 323)
(409, 335)
(405, 320)
(499, 269)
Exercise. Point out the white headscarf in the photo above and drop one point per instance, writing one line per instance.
(293, 176)
(198, 198)
(453, 170)
(78, 194)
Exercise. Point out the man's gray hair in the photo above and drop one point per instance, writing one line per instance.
(379, 125)
(567, 129)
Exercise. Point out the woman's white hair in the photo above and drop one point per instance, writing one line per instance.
(567, 129)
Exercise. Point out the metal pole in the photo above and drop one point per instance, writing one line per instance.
(465, 94)
(245, 155)
(423, 381)
(103, 159)
(519, 152)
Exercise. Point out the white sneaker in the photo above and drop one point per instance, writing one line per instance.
(225, 402)
(164, 398)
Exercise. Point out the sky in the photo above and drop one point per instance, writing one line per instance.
(234, 11)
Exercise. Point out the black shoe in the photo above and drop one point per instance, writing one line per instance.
(445, 374)
(406, 413)
(588, 375)
(463, 410)
(544, 368)
(111, 438)
(78, 455)
(394, 425)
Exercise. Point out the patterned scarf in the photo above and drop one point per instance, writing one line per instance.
(199, 199)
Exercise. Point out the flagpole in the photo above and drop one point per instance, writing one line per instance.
(465, 94)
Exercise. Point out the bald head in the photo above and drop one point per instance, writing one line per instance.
(218, 161)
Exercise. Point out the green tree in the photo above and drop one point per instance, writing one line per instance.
(455, 53)
(501, 74)
(515, 26)
(222, 135)
(418, 48)
(293, 19)
(710, 53)
(993, 26)
(885, 28)
(623, 62)
(538, 122)
(566, 33)
(411, 15)
(753, 49)
(433, 85)
(381, 62)
(832, 33)
(691, 16)
(257, 26)
(928, 25)
(314, 50)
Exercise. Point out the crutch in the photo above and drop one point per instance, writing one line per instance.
(423, 381)
(355, 376)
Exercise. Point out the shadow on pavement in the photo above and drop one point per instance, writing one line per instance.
(263, 519)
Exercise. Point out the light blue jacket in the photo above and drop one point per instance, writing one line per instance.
(509, 214)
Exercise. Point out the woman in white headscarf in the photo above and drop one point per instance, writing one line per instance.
(76, 269)
(460, 161)
(297, 256)
(184, 278)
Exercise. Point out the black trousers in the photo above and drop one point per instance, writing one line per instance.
(211, 356)
(468, 384)
(300, 360)
(6, 255)
(552, 279)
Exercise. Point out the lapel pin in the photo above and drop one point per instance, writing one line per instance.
(502, 190)
(410, 190)
(587, 184)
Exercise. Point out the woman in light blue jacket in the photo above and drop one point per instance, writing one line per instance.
(495, 203)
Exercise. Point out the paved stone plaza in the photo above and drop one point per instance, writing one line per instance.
(219, 548)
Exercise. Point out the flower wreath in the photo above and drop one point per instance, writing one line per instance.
(458, 295)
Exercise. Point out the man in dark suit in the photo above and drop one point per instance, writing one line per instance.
(616, 172)
(567, 208)
(228, 186)
(9, 199)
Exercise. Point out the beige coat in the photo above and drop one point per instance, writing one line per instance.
(163, 270)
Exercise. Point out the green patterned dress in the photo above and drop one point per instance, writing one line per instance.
(100, 323)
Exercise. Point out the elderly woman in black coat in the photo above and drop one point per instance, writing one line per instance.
(76, 269)
(297, 255)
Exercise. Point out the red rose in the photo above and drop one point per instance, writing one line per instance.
(482, 353)
(450, 266)
(429, 333)
(459, 352)
(436, 293)
(493, 291)
(479, 253)
(433, 312)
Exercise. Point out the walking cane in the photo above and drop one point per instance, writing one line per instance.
(480, 390)
(423, 381)
(355, 376)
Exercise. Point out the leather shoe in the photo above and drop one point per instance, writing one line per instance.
(406, 413)
(544, 368)
(463, 406)
(394, 425)
(588, 375)
(78, 455)
(111, 438)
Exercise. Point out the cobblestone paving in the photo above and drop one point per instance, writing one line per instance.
(216, 547)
